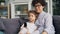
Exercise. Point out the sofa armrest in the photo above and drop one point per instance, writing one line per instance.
(2, 27)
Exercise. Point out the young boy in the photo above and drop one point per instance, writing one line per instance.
(30, 27)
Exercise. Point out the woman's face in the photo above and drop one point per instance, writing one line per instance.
(32, 17)
(39, 7)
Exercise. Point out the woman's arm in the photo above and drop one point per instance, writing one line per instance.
(49, 28)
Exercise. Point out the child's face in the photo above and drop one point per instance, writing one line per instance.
(32, 17)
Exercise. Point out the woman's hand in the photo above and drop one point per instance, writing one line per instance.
(44, 32)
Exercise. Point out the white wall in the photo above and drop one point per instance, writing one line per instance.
(19, 1)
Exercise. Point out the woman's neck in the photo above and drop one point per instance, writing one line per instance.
(41, 11)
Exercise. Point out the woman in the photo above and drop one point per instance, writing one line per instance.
(44, 20)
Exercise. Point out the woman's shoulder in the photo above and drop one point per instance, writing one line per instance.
(46, 15)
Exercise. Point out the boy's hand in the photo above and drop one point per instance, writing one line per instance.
(27, 32)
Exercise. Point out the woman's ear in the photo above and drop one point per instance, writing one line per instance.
(43, 7)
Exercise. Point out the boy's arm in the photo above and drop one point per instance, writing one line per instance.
(22, 26)
(36, 29)
(27, 32)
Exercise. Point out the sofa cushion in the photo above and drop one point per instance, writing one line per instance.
(11, 25)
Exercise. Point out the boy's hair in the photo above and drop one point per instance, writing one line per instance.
(42, 2)
(32, 11)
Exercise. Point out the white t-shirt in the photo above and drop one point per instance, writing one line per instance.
(31, 27)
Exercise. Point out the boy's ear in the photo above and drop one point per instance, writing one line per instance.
(44, 6)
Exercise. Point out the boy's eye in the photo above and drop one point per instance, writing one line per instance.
(32, 15)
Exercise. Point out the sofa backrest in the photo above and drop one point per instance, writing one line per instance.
(56, 23)
(11, 26)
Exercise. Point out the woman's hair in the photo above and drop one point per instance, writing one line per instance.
(34, 12)
(42, 2)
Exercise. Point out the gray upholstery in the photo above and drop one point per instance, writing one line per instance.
(2, 27)
(56, 22)
(10, 26)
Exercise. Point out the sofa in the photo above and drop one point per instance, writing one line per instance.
(12, 26)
